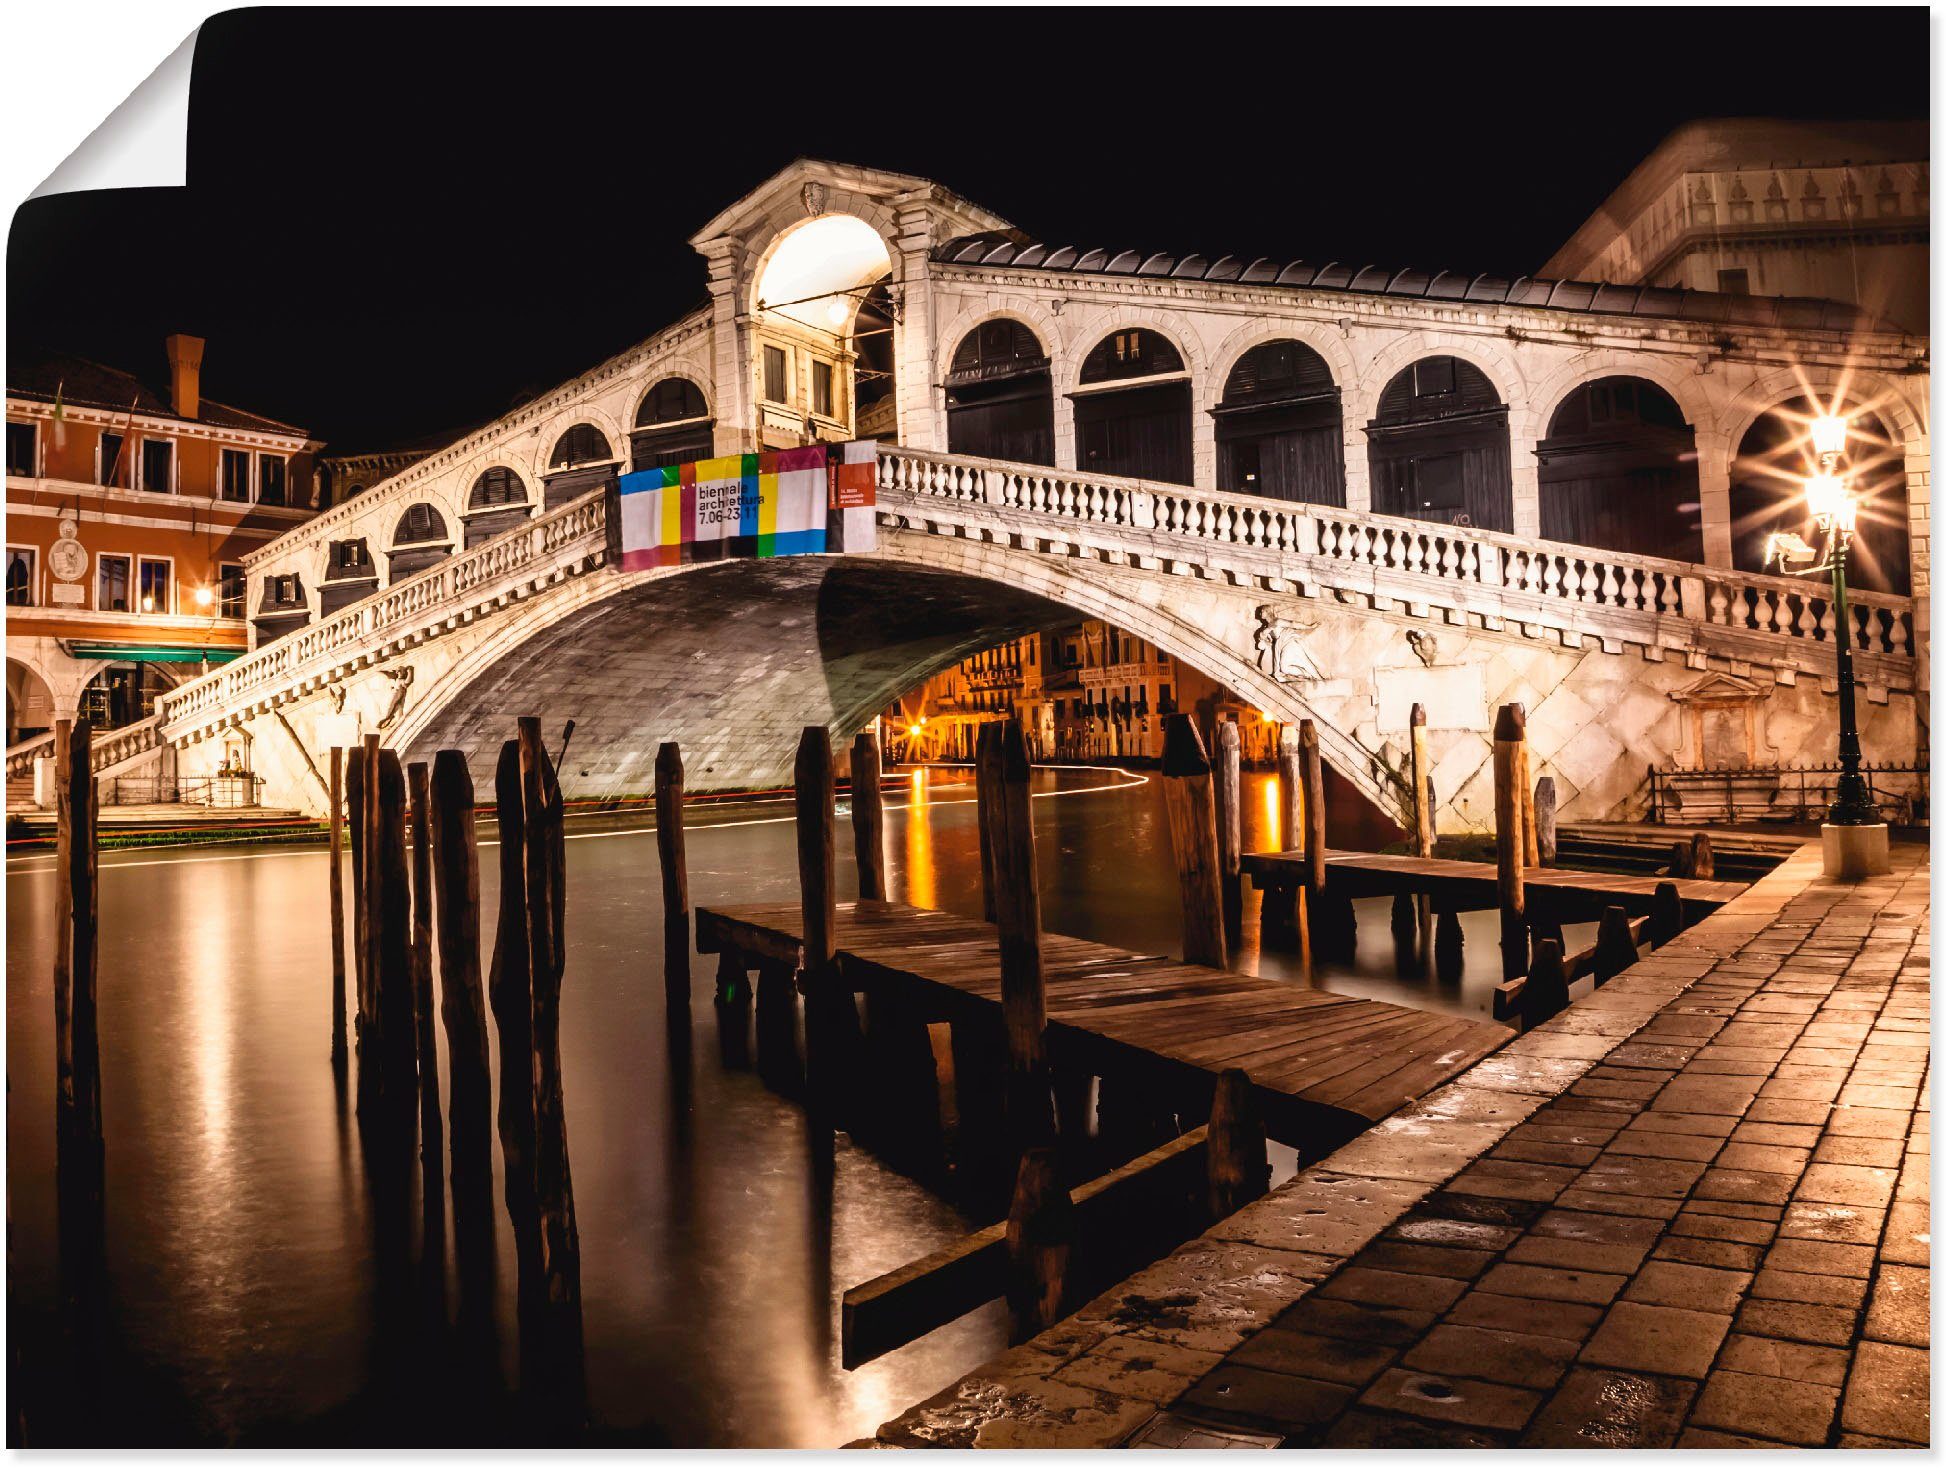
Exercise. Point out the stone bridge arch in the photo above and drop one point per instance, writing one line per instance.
(733, 659)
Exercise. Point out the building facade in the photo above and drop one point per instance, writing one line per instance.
(1760, 206)
(1648, 420)
(131, 508)
(1090, 692)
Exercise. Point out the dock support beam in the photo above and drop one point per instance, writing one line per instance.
(1191, 803)
(675, 876)
(1509, 818)
(1007, 817)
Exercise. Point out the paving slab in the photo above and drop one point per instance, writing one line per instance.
(1691, 1210)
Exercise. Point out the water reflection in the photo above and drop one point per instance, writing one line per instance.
(247, 1252)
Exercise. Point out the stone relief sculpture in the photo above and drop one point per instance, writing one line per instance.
(1280, 648)
(1424, 645)
(401, 680)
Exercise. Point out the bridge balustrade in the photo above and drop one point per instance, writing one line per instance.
(1377, 547)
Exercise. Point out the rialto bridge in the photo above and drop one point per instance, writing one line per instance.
(1338, 492)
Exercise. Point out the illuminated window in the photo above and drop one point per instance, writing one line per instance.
(230, 589)
(111, 583)
(155, 585)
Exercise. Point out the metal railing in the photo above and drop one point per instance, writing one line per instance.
(1784, 794)
(215, 792)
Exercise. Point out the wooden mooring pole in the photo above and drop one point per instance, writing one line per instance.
(1191, 803)
(831, 1035)
(425, 1020)
(1006, 813)
(1509, 733)
(338, 1049)
(1238, 1156)
(544, 889)
(1530, 850)
(77, 1047)
(1614, 945)
(462, 1004)
(868, 816)
(1040, 1237)
(1545, 994)
(675, 876)
(398, 1065)
(1226, 771)
(355, 839)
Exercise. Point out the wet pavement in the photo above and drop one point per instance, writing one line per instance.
(1692, 1210)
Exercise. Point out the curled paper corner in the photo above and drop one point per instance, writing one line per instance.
(144, 143)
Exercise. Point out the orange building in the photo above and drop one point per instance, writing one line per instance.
(130, 507)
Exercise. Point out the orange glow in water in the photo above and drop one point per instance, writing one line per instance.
(921, 875)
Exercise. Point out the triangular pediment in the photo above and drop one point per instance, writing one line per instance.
(1721, 688)
(838, 187)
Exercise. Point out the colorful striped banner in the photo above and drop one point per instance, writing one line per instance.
(792, 502)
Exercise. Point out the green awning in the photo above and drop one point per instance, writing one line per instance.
(122, 652)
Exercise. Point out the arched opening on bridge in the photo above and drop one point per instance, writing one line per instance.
(419, 539)
(1132, 408)
(673, 426)
(582, 460)
(1439, 447)
(1280, 427)
(30, 703)
(495, 504)
(350, 574)
(1767, 494)
(1000, 395)
(824, 334)
(282, 608)
(123, 693)
(1618, 471)
(875, 368)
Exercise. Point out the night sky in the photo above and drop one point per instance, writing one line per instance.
(401, 222)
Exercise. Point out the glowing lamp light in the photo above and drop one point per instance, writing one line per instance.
(204, 596)
(148, 602)
(1825, 497)
(837, 311)
(1828, 434)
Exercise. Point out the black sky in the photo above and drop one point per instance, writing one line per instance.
(400, 221)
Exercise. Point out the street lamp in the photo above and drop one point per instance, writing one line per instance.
(1833, 507)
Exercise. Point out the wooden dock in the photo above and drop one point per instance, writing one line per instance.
(1462, 886)
(1325, 1066)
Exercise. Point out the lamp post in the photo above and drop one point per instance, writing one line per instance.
(1855, 835)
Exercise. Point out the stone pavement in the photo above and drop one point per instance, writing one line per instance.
(1692, 1210)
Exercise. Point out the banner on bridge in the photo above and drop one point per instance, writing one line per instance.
(790, 502)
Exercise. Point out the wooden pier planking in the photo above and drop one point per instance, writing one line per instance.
(1558, 891)
(1324, 1065)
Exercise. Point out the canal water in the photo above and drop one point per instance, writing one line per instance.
(242, 1300)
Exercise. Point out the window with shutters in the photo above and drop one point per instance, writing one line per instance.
(20, 576)
(420, 523)
(823, 389)
(1433, 377)
(497, 486)
(777, 380)
(1135, 352)
(158, 465)
(109, 468)
(273, 487)
(673, 400)
(236, 475)
(23, 443)
(350, 558)
(582, 444)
